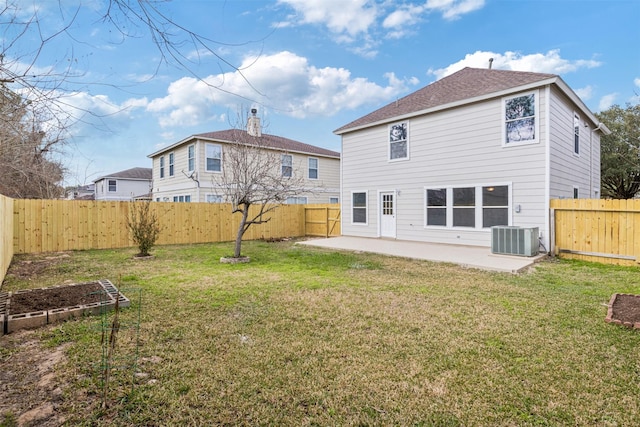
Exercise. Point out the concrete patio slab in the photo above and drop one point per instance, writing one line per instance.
(466, 256)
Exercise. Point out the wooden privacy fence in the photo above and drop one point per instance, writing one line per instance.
(606, 231)
(6, 234)
(59, 225)
(322, 220)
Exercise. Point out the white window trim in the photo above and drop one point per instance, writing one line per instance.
(576, 117)
(216, 195)
(206, 157)
(366, 208)
(161, 168)
(282, 165)
(317, 168)
(400, 159)
(503, 122)
(478, 207)
(575, 191)
(172, 164)
(109, 190)
(193, 147)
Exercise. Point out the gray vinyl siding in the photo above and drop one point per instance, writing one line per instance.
(568, 170)
(456, 147)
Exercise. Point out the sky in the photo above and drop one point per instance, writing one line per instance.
(307, 66)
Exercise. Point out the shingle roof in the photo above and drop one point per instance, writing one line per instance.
(467, 83)
(266, 140)
(133, 173)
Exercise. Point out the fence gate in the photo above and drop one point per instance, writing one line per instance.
(322, 220)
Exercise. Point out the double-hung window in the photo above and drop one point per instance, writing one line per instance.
(359, 207)
(398, 141)
(112, 185)
(287, 165)
(213, 153)
(520, 119)
(576, 134)
(162, 167)
(191, 150)
(171, 164)
(495, 205)
(477, 207)
(313, 168)
(437, 206)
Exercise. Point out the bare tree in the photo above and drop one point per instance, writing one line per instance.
(256, 177)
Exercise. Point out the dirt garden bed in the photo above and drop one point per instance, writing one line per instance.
(624, 309)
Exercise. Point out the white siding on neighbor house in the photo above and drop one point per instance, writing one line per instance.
(321, 190)
(126, 189)
(459, 147)
(569, 170)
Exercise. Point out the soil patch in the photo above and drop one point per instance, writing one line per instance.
(55, 297)
(624, 309)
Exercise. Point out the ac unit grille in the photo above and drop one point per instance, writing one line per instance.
(514, 240)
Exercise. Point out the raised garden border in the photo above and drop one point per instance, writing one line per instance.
(13, 322)
(611, 319)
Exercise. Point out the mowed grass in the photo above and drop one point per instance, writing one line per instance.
(304, 336)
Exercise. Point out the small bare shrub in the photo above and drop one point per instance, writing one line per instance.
(144, 227)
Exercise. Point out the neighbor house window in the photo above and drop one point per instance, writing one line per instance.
(162, 167)
(214, 198)
(398, 141)
(437, 206)
(464, 207)
(171, 163)
(333, 200)
(520, 119)
(576, 134)
(192, 157)
(112, 185)
(213, 153)
(296, 201)
(287, 165)
(313, 168)
(182, 198)
(359, 208)
(576, 193)
(495, 205)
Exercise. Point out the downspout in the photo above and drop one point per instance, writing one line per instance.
(547, 173)
(598, 128)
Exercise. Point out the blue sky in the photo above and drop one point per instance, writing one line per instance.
(310, 66)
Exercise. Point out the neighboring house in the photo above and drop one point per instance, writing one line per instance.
(473, 150)
(187, 170)
(127, 185)
(82, 192)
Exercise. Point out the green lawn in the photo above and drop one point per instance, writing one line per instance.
(303, 336)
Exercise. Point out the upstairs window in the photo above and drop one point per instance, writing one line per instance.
(162, 167)
(398, 141)
(520, 119)
(576, 134)
(171, 163)
(213, 153)
(287, 165)
(313, 168)
(192, 157)
(112, 185)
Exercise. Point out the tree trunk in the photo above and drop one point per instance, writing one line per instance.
(241, 230)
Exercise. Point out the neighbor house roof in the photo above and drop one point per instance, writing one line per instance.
(465, 86)
(265, 140)
(133, 174)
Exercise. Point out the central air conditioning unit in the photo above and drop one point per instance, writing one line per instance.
(514, 240)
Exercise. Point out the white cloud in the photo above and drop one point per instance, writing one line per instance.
(584, 93)
(341, 17)
(453, 9)
(549, 62)
(607, 101)
(636, 81)
(283, 82)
